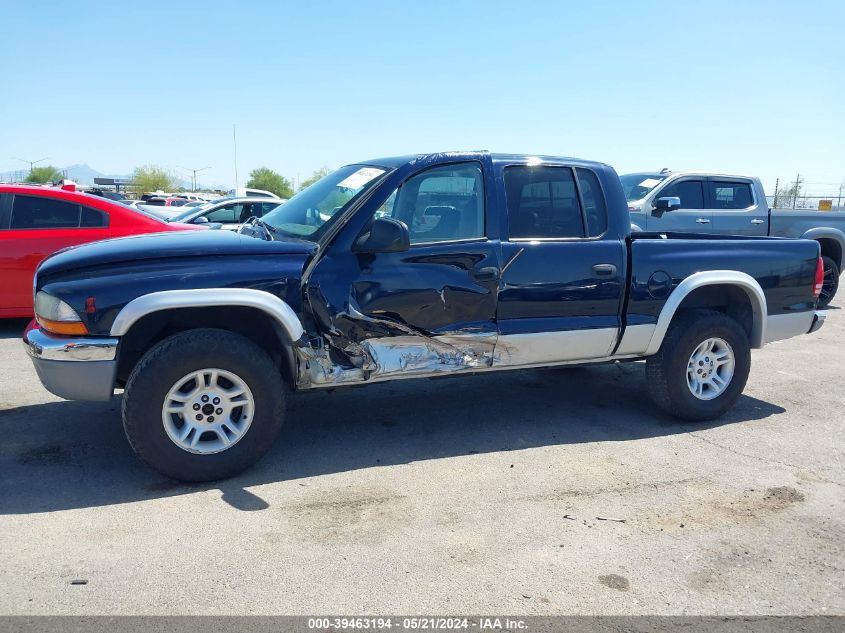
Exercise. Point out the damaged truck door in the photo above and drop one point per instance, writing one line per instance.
(426, 309)
(563, 285)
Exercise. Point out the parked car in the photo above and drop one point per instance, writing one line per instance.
(698, 202)
(432, 265)
(230, 213)
(105, 193)
(37, 221)
(173, 201)
(243, 192)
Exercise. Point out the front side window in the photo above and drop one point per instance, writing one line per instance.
(441, 204)
(730, 195)
(691, 193)
(543, 202)
(228, 213)
(32, 212)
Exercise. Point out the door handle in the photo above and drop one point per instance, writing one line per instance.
(605, 270)
(757, 221)
(702, 221)
(487, 273)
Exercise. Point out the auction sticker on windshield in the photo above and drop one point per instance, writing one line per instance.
(360, 178)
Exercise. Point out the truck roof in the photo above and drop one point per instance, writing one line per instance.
(694, 172)
(398, 161)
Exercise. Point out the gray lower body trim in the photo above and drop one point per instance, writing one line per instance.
(781, 326)
(636, 339)
(517, 350)
(74, 368)
(818, 321)
(93, 380)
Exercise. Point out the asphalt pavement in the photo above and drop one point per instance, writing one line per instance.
(556, 491)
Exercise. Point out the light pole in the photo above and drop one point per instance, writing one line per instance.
(31, 162)
(194, 173)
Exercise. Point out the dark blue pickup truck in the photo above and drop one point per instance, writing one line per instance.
(417, 266)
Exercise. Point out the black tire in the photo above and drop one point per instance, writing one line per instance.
(831, 282)
(666, 371)
(175, 357)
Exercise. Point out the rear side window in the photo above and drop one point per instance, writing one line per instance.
(92, 218)
(542, 202)
(730, 195)
(594, 206)
(691, 193)
(31, 212)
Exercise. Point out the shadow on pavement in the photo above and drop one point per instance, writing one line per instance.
(63, 455)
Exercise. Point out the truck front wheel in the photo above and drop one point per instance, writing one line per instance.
(701, 367)
(203, 405)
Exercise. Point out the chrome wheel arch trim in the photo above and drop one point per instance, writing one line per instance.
(208, 297)
(713, 278)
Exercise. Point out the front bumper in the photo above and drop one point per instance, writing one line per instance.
(73, 368)
(818, 321)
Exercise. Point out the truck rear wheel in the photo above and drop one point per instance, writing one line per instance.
(831, 281)
(203, 405)
(701, 367)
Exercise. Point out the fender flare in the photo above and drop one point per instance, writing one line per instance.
(827, 232)
(713, 278)
(208, 297)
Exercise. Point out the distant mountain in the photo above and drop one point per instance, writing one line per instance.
(85, 174)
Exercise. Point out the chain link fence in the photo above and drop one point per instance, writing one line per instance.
(818, 203)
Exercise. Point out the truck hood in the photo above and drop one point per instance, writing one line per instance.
(169, 245)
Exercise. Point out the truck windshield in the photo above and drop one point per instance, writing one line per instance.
(637, 186)
(310, 212)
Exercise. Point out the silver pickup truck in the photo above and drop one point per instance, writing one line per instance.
(698, 202)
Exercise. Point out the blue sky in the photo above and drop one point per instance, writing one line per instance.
(751, 87)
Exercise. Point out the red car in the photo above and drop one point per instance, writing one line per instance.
(37, 221)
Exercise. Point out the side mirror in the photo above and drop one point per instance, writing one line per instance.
(667, 203)
(386, 235)
(200, 220)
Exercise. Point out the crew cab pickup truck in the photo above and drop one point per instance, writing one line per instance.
(409, 267)
(698, 202)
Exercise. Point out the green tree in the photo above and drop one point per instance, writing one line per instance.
(44, 175)
(320, 173)
(788, 196)
(154, 178)
(267, 179)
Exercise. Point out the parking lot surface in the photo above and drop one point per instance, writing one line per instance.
(535, 492)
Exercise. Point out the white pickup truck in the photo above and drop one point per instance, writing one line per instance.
(699, 202)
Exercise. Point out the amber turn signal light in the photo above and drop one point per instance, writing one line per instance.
(73, 328)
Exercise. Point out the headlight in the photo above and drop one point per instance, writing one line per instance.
(54, 315)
